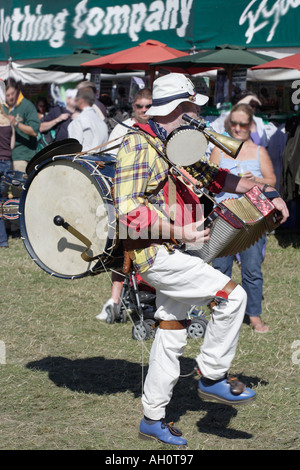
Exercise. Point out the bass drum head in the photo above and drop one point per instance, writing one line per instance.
(68, 189)
(186, 146)
(61, 147)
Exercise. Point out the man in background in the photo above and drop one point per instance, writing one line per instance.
(88, 128)
(100, 108)
(24, 117)
(141, 103)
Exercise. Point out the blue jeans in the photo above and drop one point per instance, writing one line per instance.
(4, 166)
(252, 278)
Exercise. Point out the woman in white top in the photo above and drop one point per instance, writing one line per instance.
(253, 162)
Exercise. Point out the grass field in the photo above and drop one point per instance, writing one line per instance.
(69, 381)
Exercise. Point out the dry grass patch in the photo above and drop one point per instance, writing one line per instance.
(72, 382)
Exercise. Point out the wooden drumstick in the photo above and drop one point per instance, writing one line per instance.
(60, 222)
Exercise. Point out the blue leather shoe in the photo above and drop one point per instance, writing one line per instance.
(228, 390)
(161, 432)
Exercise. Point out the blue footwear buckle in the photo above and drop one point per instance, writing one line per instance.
(228, 390)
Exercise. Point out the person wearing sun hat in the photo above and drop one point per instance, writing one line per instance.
(168, 95)
(141, 194)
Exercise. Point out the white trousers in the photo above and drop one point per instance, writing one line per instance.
(182, 280)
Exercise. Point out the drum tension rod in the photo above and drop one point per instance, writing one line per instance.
(60, 222)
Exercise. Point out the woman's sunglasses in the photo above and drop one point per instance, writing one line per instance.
(241, 124)
(140, 106)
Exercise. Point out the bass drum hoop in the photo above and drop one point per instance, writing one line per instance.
(60, 147)
(112, 256)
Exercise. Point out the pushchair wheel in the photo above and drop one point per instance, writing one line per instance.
(151, 323)
(197, 328)
(110, 314)
(141, 331)
(123, 315)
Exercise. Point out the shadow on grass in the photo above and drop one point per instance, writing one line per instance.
(92, 375)
(286, 238)
(106, 376)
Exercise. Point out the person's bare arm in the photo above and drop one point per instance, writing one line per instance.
(266, 168)
(13, 137)
(23, 127)
(47, 125)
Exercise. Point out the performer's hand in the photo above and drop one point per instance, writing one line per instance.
(195, 234)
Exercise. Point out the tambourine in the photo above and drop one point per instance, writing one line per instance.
(185, 146)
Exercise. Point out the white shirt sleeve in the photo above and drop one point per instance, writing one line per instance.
(75, 131)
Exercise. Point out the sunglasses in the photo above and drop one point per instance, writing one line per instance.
(140, 106)
(241, 124)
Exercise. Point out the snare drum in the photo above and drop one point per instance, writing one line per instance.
(9, 209)
(76, 190)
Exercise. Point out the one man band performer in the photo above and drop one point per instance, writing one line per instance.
(141, 192)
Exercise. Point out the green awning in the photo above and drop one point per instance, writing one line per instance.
(36, 30)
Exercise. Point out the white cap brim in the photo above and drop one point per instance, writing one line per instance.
(165, 109)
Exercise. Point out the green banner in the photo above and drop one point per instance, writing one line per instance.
(40, 29)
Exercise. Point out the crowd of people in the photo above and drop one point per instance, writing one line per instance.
(27, 128)
(142, 188)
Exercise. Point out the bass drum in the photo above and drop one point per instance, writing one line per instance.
(67, 217)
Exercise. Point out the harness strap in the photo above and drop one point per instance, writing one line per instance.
(172, 197)
(228, 288)
(182, 324)
(225, 292)
(100, 147)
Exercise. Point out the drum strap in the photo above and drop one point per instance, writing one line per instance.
(118, 138)
(172, 197)
(102, 146)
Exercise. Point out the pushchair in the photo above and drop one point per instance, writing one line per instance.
(138, 303)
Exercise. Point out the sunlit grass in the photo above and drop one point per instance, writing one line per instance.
(72, 382)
